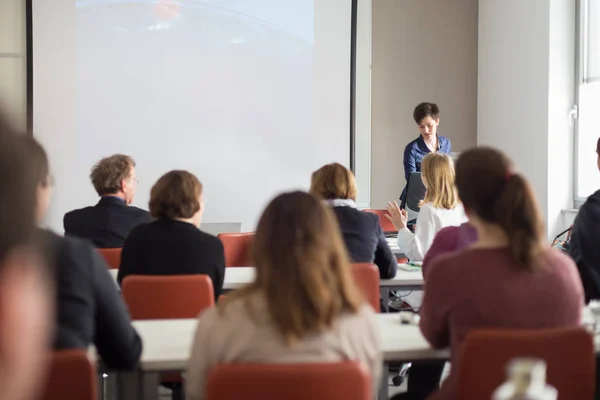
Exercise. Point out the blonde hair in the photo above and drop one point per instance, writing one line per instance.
(333, 181)
(439, 175)
(302, 267)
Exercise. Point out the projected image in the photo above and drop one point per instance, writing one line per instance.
(210, 86)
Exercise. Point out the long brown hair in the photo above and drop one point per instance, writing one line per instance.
(302, 267)
(488, 186)
(438, 171)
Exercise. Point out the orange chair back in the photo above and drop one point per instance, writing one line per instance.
(348, 381)
(71, 376)
(386, 224)
(366, 277)
(237, 248)
(112, 257)
(167, 297)
(569, 354)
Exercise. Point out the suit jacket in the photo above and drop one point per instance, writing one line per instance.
(365, 240)
(171, 247)
(107, 224)
(90, 309)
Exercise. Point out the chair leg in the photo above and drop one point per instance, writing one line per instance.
(177, 393)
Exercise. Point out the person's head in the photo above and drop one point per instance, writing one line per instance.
(493, 194)
(115, 176)
(177, 195)
(437, 172)
(333, 181)
(41, 170)
(25, 298)
(302, 266)
(427, 117)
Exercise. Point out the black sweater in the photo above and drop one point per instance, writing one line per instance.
(89, 306)
(365, 240)
(171, 247)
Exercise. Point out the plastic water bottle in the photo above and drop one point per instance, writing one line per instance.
(526, 381)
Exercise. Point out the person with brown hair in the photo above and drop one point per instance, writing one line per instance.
(173, 244)
(362, 232)
(108, 223)
(509, 278)
(89, 308)
(440, 208)
(303, 306)
(25, 290)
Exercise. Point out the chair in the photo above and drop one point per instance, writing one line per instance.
(325, 381)
(366, 277)
(71, 376)
(168, 297)
(386, 224)
(569, 354)
(237, 248)
(112, 257)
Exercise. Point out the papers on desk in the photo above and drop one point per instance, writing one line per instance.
(411, 267)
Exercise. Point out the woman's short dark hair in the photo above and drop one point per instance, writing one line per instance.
(488, 186)
(175, 195)
(424, 110)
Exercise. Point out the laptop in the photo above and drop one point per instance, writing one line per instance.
(415, 192)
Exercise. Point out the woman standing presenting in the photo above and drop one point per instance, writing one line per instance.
(427, 117)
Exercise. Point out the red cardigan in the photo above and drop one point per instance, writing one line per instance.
(485, 288)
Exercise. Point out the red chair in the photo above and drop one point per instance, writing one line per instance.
(237, 248)
(71, 376)
(366, 277)
(167, 296)
(326, 381)
(386, 224)
(569, 354)
(112, 257)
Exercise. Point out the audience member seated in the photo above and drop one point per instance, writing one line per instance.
(449, 240)
(89, 307)
(362, 232)
(509, 278)
(108, 223)
(303, 306)
(174, 244)
(25, 297)
(585, 242)
(440, 208)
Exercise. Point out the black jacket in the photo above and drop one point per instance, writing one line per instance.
(365, 240)
(171, 247)
(585, 245)
(90, 309)
(107, 224)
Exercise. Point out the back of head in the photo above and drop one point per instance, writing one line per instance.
(176, 194)
(302, 266)
(488, 187)
(333, 181)
(109, 172)
(438, 171)
(424, 110)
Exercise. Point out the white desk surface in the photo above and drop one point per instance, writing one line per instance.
(168, 343)
(236, 277)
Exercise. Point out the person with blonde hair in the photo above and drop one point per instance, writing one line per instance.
(362, 232)
(440, 208)
(303, 306)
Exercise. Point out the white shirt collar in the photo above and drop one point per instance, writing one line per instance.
(341, 203)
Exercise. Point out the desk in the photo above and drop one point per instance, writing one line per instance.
(168, 344)
(236, 277)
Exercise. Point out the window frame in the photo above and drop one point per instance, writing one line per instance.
(580, 73)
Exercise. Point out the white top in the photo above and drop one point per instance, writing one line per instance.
(235, 335)
(429, 222)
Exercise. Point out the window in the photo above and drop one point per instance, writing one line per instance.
(588, 99)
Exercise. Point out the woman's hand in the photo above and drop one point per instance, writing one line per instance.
(397, 216)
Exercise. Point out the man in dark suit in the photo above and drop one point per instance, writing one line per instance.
(109, 222)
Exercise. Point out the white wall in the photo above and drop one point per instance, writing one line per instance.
(423, 50)
(13, 62)
(525, 92)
